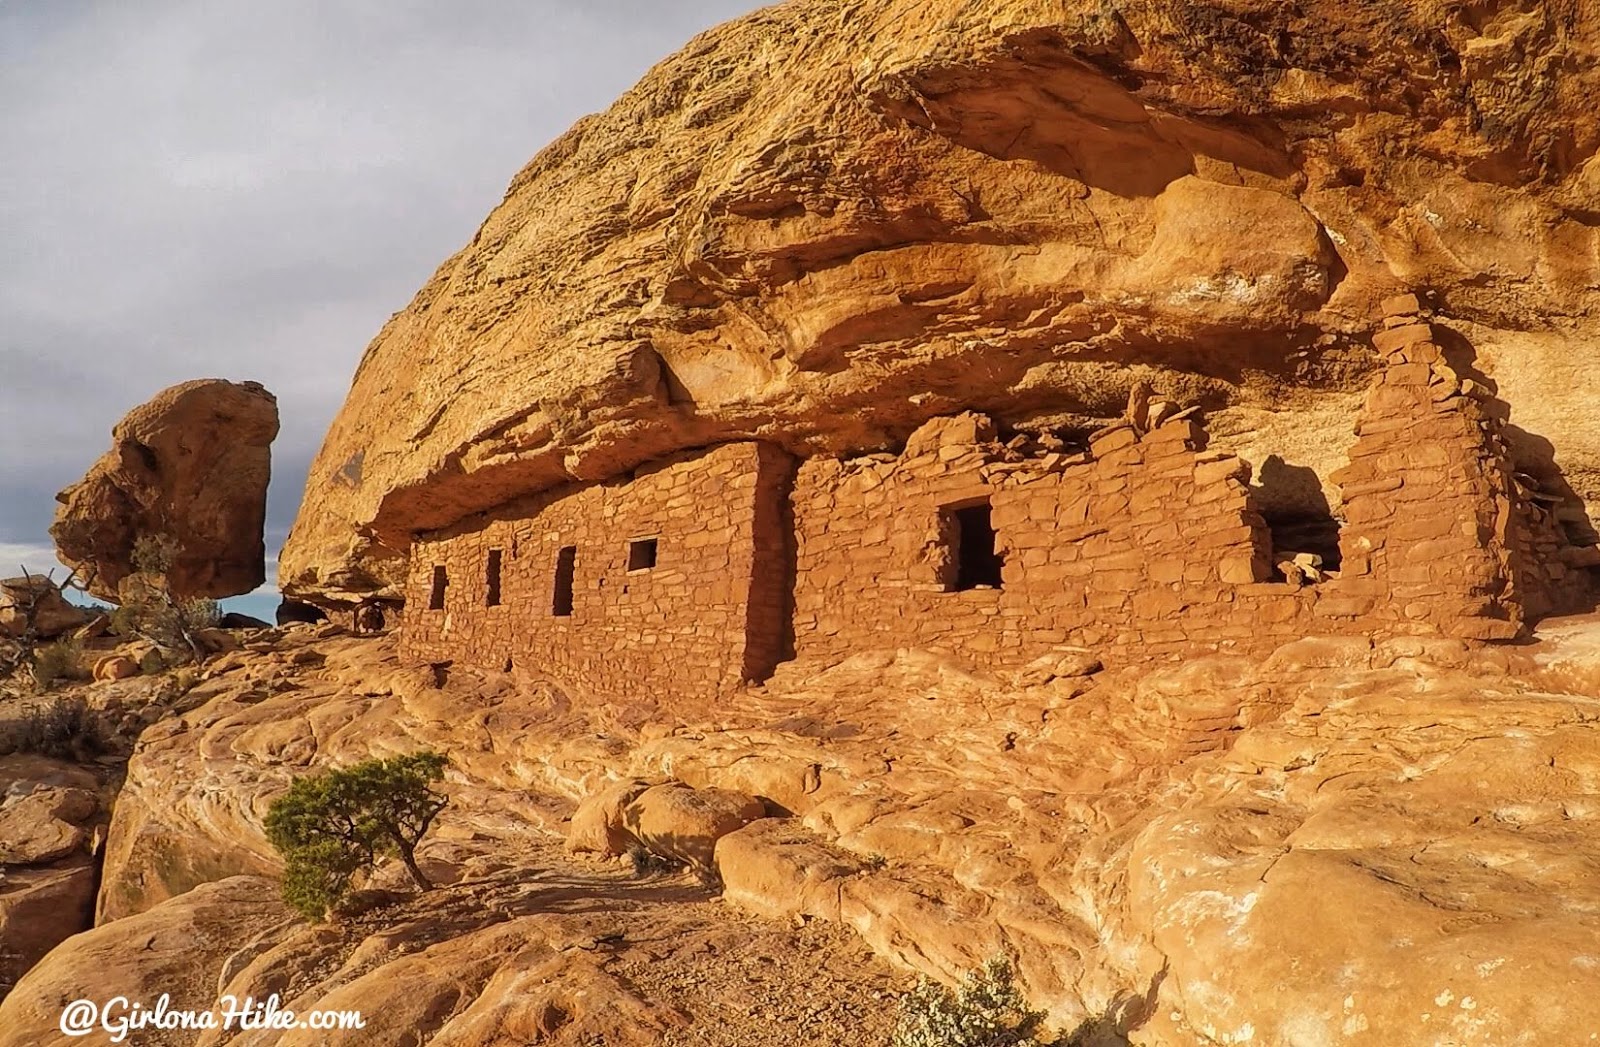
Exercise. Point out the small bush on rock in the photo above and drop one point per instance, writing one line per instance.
(333, 825)
(57, 661)
(65, 729)
(149, 610)
(985, 1010)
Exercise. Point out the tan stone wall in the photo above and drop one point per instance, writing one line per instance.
(1439, 529)
(1142, 548)
(687, 624)
(1145, 546)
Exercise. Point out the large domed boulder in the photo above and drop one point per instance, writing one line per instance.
(683, 823)
(190, 465)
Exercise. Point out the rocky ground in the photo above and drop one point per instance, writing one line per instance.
(1344, 843)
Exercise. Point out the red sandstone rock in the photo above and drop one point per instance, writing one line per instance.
(192, 464)
(1124, 844)
(598, 825)
(822, 231)
(36, 597)
(1402, 305)
(40, 908)
(44, 826)
(680, 822)
(115, 667)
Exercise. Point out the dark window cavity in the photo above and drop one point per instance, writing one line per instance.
(441, 581)
(641, 554)
(492, 579)
(972, 561)
(566, 567)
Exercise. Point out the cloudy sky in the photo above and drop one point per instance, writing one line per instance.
(247, 190)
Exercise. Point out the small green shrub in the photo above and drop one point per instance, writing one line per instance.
(65, 729)
(200, 614)
(55, 662)
(330, 826)
(985, 1010)
(155, 553)
(125, 621)
(150, 611)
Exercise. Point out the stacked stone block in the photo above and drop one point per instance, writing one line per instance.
(706, 617)
(1439, 535)
(1144, 546)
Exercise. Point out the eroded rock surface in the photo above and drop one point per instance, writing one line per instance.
(51, 816)
(191, 464)
(822, 225)
(34, 599)
(1320, 846)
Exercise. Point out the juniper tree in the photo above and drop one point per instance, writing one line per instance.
(151, 612)
(332, 825)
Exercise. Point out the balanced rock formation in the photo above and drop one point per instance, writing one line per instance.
(191, 464)
(821, 225)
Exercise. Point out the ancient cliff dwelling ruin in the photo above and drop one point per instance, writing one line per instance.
(704, 571)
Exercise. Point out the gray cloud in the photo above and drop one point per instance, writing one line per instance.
(226, 188)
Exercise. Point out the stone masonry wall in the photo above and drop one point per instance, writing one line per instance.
(1439, 528)
(1146, 546)
(706, 616)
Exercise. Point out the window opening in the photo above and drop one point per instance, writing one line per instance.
(642, 554)
(969, 535)
(1305, 545)
(566, 565)
(441, 581)
(492, 580)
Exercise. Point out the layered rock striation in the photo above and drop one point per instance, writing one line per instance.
(1347, 841)
(824, 223)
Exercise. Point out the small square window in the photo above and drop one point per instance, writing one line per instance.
(642, 554)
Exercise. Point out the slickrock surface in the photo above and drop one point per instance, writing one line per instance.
(192, 463)
(826, 222)
(51, 818)
(529, 950)
(1346, 842)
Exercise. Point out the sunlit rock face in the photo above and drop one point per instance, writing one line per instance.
(1348, 841)
(190, 465)
(823, 224)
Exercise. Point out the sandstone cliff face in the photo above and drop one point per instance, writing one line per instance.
(825, 223)
(192, 464)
